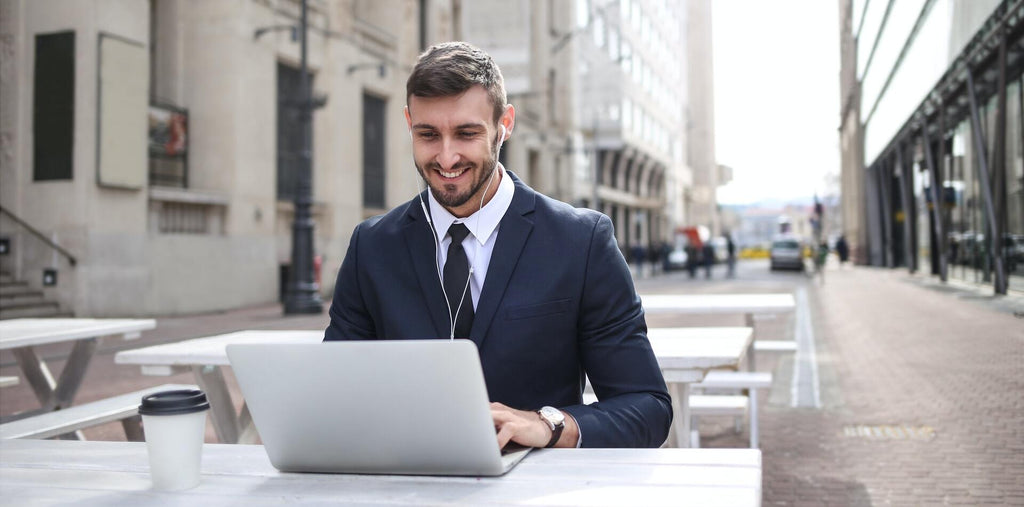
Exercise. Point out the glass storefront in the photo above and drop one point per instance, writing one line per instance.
(968, 244)
(1013, 239)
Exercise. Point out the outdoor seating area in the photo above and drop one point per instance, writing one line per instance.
(702, 365)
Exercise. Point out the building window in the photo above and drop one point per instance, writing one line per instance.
(373, 151)
(289, 130)
(53, 111)
(599, 35)
(613, 44)
(582, 13)
(183, 218)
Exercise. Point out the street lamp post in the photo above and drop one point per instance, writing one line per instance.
(303, 295)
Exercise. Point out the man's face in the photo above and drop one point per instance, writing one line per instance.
(454, 145)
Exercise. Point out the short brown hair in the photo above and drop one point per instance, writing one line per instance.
(451, 68)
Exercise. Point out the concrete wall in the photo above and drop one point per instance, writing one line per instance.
(207, 61)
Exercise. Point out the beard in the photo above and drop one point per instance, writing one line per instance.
(447, 194)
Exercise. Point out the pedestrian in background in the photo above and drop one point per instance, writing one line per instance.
(639, 254)
(692, 256)
(708, 256)
(843, 250)
(730, 249)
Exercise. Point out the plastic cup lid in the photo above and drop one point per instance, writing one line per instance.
(183, 401)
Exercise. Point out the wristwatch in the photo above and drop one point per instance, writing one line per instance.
(556, 420)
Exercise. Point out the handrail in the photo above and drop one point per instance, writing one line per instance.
(44, 239)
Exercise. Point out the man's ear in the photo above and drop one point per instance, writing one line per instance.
(508, 119)
(408, 119)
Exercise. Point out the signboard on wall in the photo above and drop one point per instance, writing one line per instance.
(123, 89)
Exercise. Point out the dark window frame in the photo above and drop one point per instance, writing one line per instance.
(53, 106)
(289, 131)
(374, 163)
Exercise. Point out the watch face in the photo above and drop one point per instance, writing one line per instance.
(553, 415)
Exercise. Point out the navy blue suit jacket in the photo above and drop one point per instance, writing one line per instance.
(558, 302)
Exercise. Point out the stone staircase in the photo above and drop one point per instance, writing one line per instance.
(19, 300)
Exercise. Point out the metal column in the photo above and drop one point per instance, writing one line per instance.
(999, 164)
(303, 292)
(906, 176)
(936, 192)
(986, 187)
(884, 197)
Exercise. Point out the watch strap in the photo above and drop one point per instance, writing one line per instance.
(556, 430)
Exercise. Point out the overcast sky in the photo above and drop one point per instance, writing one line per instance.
(776, 96)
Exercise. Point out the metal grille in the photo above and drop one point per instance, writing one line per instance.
(183, 218)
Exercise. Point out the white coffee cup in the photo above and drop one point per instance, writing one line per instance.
(174, 423)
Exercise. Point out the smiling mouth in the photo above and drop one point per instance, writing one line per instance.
(452, 174)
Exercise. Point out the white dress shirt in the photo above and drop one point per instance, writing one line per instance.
(483, 231)
(483, 227)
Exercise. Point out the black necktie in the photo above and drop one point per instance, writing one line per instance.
(456, 274)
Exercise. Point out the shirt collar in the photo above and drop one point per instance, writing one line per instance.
(482, 223)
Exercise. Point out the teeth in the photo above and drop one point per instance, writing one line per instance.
(451, 175)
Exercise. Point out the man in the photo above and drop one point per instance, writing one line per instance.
(539, 286)
(730, 249)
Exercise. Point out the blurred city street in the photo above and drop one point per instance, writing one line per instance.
(910, 392)
(203, 165)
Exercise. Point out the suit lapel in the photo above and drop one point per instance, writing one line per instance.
(512, 235)
(423, 256)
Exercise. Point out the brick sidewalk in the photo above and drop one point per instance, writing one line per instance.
(892, 352)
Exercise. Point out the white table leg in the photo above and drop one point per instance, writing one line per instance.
(754, 431)
(247, 429)
(222, 409)
(681, 417)
(37, 374)
(73, 373)
(749, 319)
(54, 395)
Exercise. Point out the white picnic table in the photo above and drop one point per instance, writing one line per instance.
(51, 472)
(685, 355)
(22, 336)
(749, 305)
(205, 358)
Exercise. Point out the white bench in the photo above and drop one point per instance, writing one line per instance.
(124, 408)
(774, 346)
(732, 405)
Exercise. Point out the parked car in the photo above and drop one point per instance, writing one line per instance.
(676, 259)
(787, 253)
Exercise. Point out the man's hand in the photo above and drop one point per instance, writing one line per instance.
(528, 429)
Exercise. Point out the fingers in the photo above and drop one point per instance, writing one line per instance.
(505, 434)
(524, 428)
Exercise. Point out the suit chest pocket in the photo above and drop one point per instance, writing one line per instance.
(539, 309)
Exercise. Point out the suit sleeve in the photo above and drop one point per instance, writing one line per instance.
(635, 409)
(350, 318)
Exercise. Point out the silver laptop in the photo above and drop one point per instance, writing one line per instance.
(416, 407)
